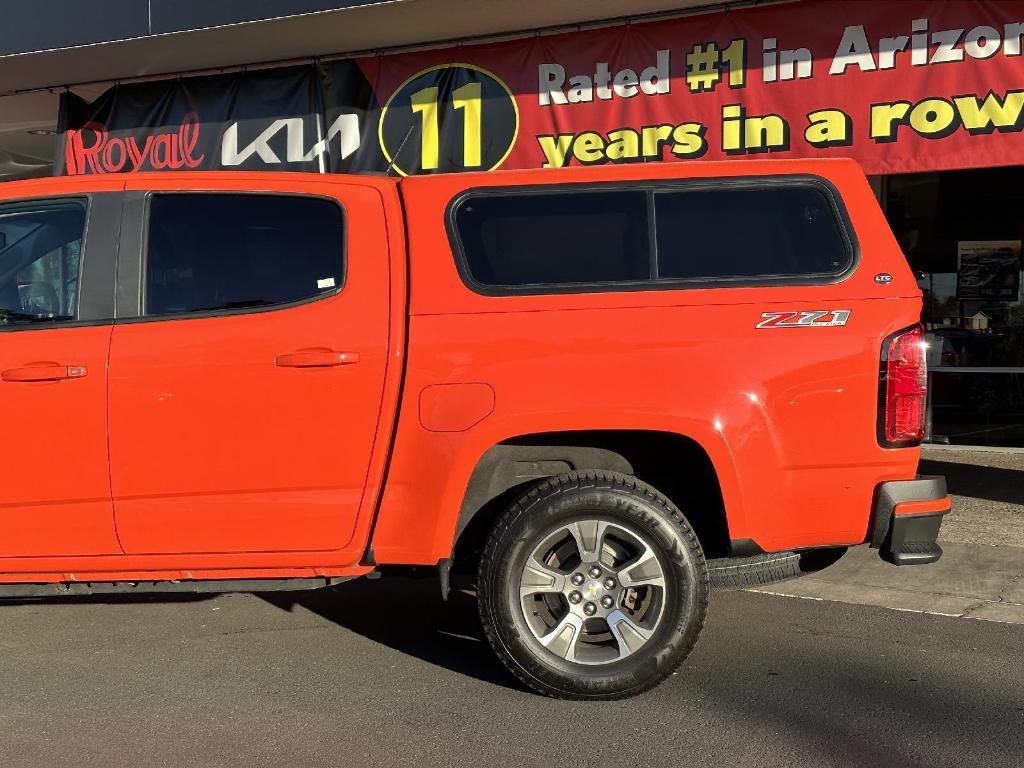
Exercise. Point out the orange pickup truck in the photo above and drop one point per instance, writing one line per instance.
(589, 388)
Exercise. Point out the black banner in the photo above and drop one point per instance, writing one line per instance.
(318, 117)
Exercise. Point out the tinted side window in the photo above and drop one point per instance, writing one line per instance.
(229, 251)
(723, 233)
(553, 238)
(40, 260)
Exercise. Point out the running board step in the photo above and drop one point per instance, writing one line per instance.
(209, 586)
(913, 553)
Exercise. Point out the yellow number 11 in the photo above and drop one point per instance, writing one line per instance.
(467, 98)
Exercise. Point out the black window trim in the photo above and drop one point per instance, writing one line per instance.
(97, 259)
(133, 282)
(653, 187)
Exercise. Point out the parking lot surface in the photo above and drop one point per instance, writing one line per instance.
(382, 673)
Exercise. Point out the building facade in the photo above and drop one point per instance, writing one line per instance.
(927, 95)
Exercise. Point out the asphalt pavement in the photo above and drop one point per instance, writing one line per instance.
(862, 664)
(382, 673)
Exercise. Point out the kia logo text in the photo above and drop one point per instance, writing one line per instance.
(346, 128)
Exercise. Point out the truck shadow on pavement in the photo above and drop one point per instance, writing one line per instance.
(408, 615)
(886, 710)
(992, 483)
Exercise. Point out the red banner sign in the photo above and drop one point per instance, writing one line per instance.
(900, 86)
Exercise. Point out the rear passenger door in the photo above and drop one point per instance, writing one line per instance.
(246, 368)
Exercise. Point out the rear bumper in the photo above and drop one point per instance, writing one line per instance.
(906, 519)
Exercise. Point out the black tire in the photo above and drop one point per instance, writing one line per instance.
(770, 568)
(630, 504)
(754, 571)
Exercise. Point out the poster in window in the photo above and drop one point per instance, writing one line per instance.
(988, 269)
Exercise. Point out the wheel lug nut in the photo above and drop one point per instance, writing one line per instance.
(575, 597)
(607, 602)
(577, 579)
(594, 572)
(609, 583)
(590, 609)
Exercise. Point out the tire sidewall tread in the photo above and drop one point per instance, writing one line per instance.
(639, 505)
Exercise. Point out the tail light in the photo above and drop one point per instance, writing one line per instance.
(903, 389)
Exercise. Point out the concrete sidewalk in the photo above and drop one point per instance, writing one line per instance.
(972, 581)
(981, 573)
(988, 495)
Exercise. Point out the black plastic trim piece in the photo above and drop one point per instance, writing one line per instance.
(653, 186)
(208, 586)
(745, 548)
(370, 558)
(888, 495)
(912, 540)
(129, 266)
(505, 466)
(99, 258)
(444, 573)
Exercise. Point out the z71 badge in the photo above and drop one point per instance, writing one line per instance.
(825, 318)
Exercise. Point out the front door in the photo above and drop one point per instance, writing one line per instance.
(54, 338)
(244, 397)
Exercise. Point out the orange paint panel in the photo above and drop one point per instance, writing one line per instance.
(271, 519)
(28, 577)
(787, 418)
(55, 494)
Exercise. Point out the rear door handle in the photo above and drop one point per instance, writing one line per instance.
(318, 358)
(44, 372)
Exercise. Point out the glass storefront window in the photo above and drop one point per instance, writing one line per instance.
(962, 232)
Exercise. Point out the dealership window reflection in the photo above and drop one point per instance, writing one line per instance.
(962, 233)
